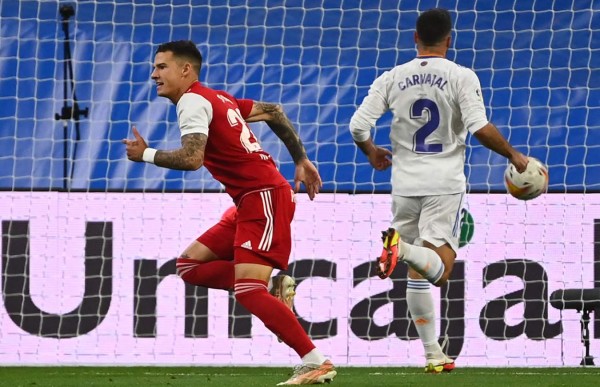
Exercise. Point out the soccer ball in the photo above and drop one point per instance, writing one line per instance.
(527, 185)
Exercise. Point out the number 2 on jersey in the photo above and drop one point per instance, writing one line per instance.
(416, 111)
(247, 138)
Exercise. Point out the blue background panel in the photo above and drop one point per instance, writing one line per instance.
(535, 59)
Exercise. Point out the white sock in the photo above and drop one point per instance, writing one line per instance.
(313, 357)
(424, 260)
(420, 305)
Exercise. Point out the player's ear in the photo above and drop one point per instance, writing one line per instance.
(448, 41)
(416, 38)
(186, 69)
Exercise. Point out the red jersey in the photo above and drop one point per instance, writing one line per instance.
(232, 155)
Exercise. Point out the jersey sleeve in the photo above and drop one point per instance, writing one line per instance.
(373, 106)
(194, 114)
(470, 100)
(245, 106)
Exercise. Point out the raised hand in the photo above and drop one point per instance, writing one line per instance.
(135, 148)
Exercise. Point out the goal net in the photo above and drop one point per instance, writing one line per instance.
(89, 239)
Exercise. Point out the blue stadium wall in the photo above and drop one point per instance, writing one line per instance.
(537, 65)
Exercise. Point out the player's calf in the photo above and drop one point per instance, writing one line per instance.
(423, 260)
(283, 287)
(277, 317)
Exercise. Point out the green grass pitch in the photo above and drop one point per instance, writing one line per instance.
(266, 376)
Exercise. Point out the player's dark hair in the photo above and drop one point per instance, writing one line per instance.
(433, 26)
(185, 49)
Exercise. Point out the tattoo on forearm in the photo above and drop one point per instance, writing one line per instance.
(284, 129)
(189, 157)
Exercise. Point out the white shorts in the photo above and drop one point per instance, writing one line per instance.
(435, 219)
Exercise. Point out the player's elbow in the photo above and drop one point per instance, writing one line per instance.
(359, 130)
(273, 113)
(192, 157)
(485, 132)
(195, 163)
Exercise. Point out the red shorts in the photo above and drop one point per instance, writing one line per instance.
(258, 232)
(219, 238)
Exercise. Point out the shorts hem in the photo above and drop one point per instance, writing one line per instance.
(437, 242)
(243, 255)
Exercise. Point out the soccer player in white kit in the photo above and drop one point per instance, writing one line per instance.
(434, 102)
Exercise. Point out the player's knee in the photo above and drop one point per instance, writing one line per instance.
(441, 282)
(238, 297)
(183, 266)
(245, 290)
(444, 278)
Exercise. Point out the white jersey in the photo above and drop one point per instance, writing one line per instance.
(434, 102)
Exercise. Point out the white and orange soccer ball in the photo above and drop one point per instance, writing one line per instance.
(527, 185)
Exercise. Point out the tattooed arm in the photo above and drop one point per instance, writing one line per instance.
(281, 125)
(187, 158)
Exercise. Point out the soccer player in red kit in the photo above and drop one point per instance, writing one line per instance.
(257, 234)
